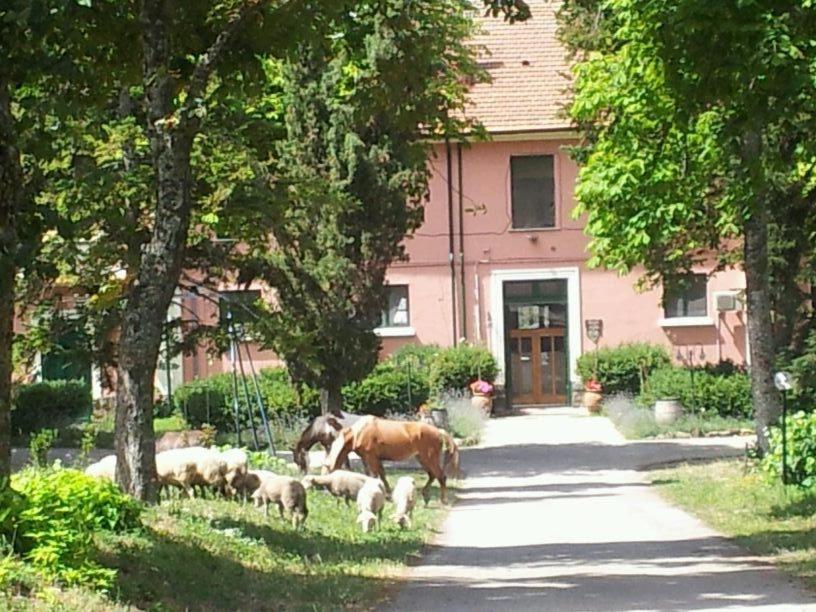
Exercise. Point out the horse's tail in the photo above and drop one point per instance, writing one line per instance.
(451, 464)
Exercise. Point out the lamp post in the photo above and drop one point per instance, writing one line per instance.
(688, 361)
(782, 381)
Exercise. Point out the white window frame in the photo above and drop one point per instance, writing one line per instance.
(497, 336)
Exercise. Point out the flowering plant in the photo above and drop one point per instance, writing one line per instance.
(481, 387)
(592, 385)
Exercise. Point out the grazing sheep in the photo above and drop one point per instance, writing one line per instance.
(180, 439)
(367, 520)
(189, 467)
(236, 460)
(253, 480)
(404, 497)
(341, 483)
(287, 493)
(370, 501)
(104, 468)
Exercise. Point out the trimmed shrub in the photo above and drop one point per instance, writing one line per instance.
(209, 400)
(386, 390)
(801, 450)
(420, 356)
(60, 512)
(455, 368)
(52, 403)
(621, 369)
(713, 394)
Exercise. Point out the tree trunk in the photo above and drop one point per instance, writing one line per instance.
(331, 399)
(767, 407)
(159, 267)
(11, 176)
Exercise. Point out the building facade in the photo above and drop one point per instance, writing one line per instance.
(501, 260)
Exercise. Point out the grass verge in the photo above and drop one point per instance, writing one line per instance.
(212, 554)
(767, 518)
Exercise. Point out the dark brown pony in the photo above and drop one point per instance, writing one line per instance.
(377, 439)
(322, 430)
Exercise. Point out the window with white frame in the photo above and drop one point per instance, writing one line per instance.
(396, 313)
(532, 180)
(687, 299)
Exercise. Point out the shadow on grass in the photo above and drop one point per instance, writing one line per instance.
(803, 504)
(176, 574)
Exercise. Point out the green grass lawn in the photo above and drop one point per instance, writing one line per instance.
(768, 519)
(212, 554)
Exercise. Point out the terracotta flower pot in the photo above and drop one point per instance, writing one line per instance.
(592, 401)
(482, 402)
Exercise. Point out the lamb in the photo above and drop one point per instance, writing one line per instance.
(287, 493)
(404, 496)
(104, 468)
(370, 502)
(180, 439)
(340, 483)
(236, 461)
(189, 467)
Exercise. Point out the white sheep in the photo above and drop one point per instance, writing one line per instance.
(340, 483)
(370, 503)
(189, 467)
(404, 496)
(287, 493)
(237, 461)
(104, 468)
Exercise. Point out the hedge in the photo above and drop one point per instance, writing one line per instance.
(801, 450)
(49, 404)
(722, 394)
(455, 368)
(621, 369)
(209, 400)
(386, 390)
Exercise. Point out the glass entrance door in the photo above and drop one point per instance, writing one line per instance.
(537, 362)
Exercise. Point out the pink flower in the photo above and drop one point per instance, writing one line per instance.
(592, 385)
(482, 387)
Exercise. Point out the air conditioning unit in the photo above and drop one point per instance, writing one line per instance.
(728, 301)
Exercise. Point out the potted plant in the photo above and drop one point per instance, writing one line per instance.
(592, 396)
(482, 395)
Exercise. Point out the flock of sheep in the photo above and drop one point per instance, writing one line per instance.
(227, 473)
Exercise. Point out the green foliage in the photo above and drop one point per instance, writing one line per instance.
(39, 446)
(352, 176)
(49, 404)
(456, 367)
(621, 369)
(801, 450)
(802, 367)
(262, 460)
(63, 508)
(418, 356)
(725, 395)
(386, 390)
(11, 506)
(213, 396)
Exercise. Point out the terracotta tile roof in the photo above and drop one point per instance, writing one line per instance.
(529, 70)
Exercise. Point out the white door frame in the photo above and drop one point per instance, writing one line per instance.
(497, 340)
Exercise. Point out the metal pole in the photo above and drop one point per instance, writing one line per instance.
(410, 403)
(784, 437)
(169, 398)
(270, 442)
(246, 397)
(235, 408)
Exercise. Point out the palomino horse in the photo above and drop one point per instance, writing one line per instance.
(375, 439)
(323, 430)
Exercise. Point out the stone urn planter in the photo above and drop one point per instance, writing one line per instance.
(667, 410)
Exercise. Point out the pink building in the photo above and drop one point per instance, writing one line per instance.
(500, 260)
